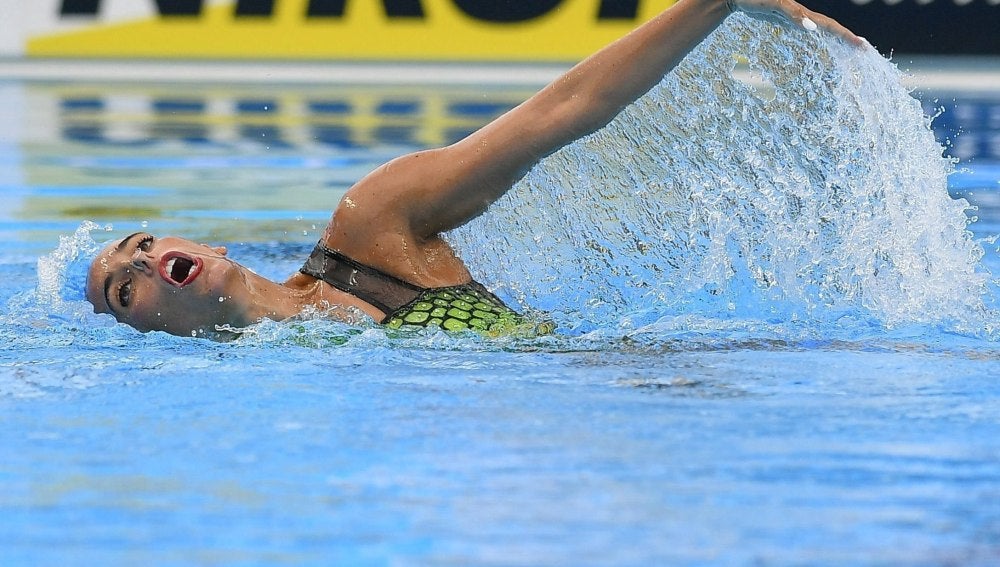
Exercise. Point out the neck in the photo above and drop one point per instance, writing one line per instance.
(272, 300)
(266, 299)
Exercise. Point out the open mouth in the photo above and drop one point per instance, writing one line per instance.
(179, 269)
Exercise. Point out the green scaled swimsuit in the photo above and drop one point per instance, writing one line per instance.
(455, 308)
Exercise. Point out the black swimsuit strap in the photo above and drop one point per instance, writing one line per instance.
(375, 287)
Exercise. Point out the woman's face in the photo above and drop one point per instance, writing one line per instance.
(168, 284)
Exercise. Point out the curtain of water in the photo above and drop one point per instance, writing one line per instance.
(817, 194)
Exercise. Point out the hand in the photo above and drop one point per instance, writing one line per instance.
(784, 11)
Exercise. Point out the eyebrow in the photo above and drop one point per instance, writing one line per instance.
(107, 281)
(124, 243)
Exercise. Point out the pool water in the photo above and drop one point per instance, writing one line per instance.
(791, 362)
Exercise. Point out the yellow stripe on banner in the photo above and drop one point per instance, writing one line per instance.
(570, 31)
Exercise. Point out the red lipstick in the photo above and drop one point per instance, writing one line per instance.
(179, 269)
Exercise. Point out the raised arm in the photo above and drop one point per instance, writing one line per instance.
(436, 190)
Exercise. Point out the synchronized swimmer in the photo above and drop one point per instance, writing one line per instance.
(382, 252)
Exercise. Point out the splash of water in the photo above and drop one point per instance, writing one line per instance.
(818, 196)
(56, 309)
(62, 273)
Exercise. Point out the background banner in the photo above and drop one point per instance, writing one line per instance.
(428, 30)
(959, 27)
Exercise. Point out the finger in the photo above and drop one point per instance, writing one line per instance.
(830, 25)
(788, 10)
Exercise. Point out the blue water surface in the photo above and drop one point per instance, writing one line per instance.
(644, 432)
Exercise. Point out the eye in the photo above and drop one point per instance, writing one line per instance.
(125, 293)
(145, 243)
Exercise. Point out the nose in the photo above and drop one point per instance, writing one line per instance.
(142, 262)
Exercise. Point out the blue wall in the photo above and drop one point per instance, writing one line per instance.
(941, 26)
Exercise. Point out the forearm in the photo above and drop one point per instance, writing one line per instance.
(593, 92)
(475, 172)
(445, 188)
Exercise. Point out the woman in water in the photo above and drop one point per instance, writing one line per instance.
(382, 253)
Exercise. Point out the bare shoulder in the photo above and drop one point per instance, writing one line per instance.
(374, 223)
(394, 188)
(372, 203)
